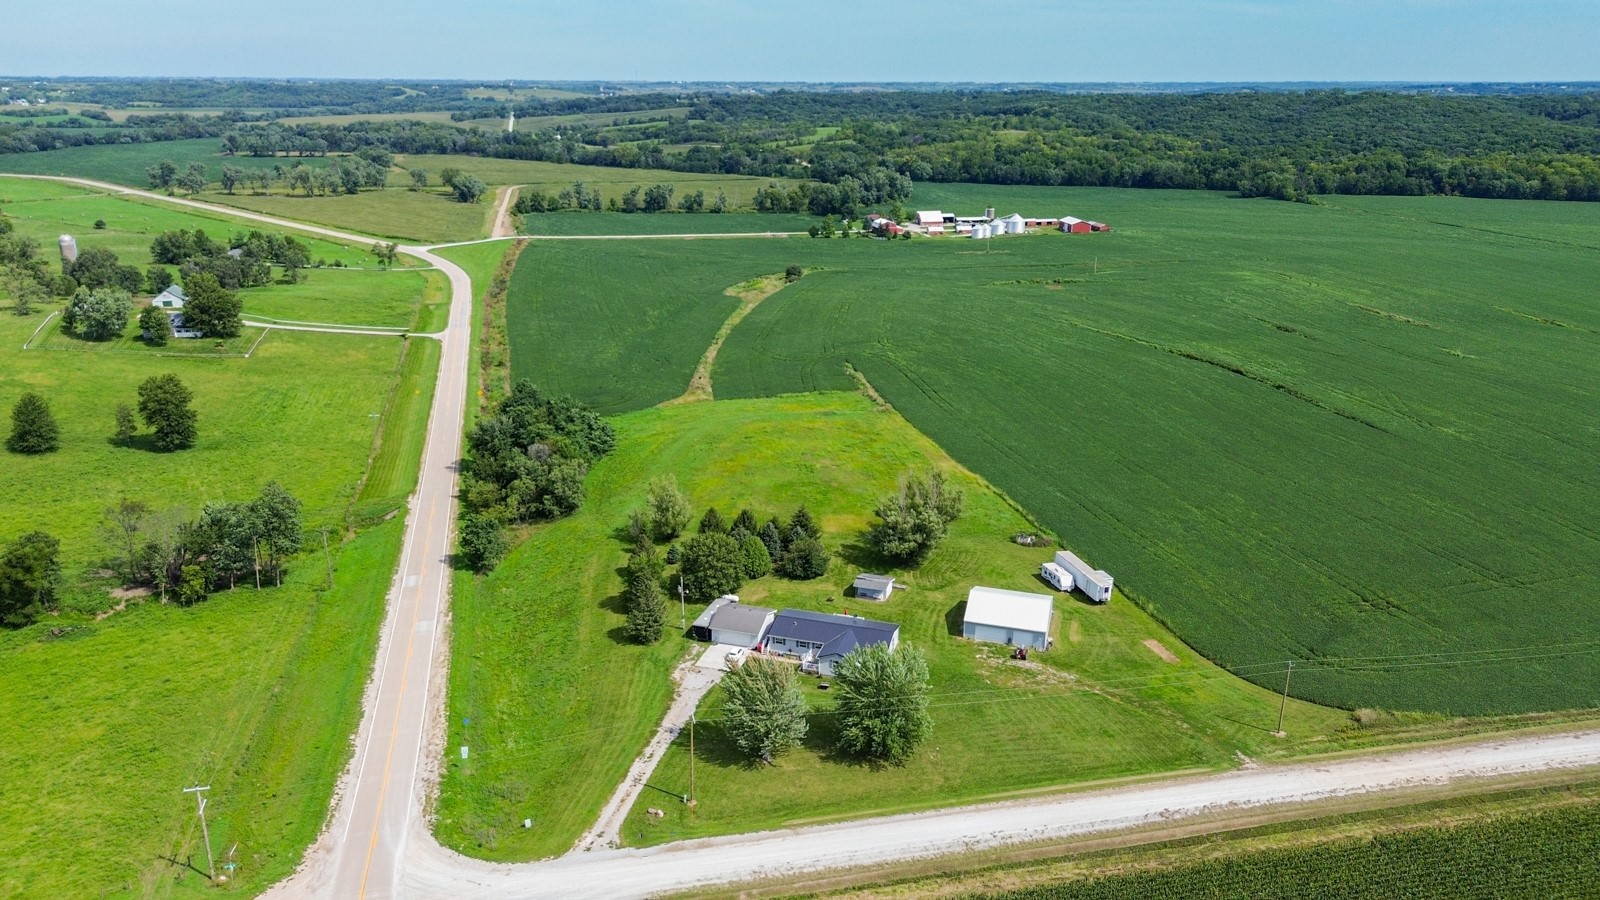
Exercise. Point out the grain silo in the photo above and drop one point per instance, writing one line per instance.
(69, 248)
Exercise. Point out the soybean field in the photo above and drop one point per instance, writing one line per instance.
(1360, 434)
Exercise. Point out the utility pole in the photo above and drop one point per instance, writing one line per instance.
(1285, 703)
(326, 557)
(691, 760)
(683, 607)
(200, 804)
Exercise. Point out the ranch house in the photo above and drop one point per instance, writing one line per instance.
(820, 640)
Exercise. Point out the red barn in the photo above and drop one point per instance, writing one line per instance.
(1073, 225)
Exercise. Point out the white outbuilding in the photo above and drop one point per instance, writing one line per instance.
(1013, 618)
(1095, 583)
(1014, 224)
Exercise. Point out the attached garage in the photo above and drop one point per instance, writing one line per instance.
(1013, 618)
(740, 625)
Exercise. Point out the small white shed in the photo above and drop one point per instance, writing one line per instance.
(1013, 618)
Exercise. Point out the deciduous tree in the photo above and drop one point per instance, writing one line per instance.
(162, 175)
(764, 710)
(123, 520)
(30, 572)
(882, 706)
(212, 308)
(668, 508)
(480, 543)
(712, 565)
(164, 405)
(915, 519)
(155, 325)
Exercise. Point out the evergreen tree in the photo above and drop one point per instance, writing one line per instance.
(30, 572)
(33, 427)
(803, 521)
(771, 534)
(711, 522)
(746, 520)
(757, 561)
(647, 610)
(805, 559)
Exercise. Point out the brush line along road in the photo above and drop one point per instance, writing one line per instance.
(378, 845)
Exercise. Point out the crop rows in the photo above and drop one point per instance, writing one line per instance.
(1320, 433)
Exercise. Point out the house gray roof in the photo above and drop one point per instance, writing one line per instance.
(704, 619)
(740, 618)
(175, 291)
(837, 634)
(875, 583)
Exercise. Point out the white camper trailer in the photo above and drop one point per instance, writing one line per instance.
(1058, 577)
(1095, 583)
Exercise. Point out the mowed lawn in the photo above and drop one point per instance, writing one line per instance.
(1355, 434)
(559, 703)
(398, 298)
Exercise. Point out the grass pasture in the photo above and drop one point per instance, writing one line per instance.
(560, 703)
(394, 213)
(126, 163)
(110, 709)
(1354, 435)
(395, 299)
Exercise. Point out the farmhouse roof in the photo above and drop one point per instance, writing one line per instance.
(1017, 610)
(837, 634)
(738, 617)
(930, 217)
(174, 291)
(1070, 220)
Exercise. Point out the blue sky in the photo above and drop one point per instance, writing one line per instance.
(821, 40)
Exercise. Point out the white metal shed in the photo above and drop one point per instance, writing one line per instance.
(1013, 618)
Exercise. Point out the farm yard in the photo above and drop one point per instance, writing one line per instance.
(1350, 434)
(550, 740)
(255, 692)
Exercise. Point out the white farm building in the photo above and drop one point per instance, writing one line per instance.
(1013, 618)
(1095, 583)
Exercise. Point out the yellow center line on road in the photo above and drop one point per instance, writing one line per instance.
(394, 731)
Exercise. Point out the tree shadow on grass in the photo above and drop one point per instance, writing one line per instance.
(863, 557)
(142, 442)
(823, 739)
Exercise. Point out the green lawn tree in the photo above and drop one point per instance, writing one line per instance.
(713, 565)
(803, 520)
(155, 325)
(804, 559)
(123, 522)
(126, 428)
(98, 315)
(915, 519)
(164, 405)
(162, 175)
(668, 508)
(763, 708)
(30, 573)
(469, 188)
(33, 426)
(712, 523)
(882, 708)
(211, 308)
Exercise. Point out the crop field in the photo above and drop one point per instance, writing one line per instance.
(559, 223)
(550, 738)
(535, 123)
(395, 213)
(552, 177)
(1354, 435)
(126, 163)
(1545, 854)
